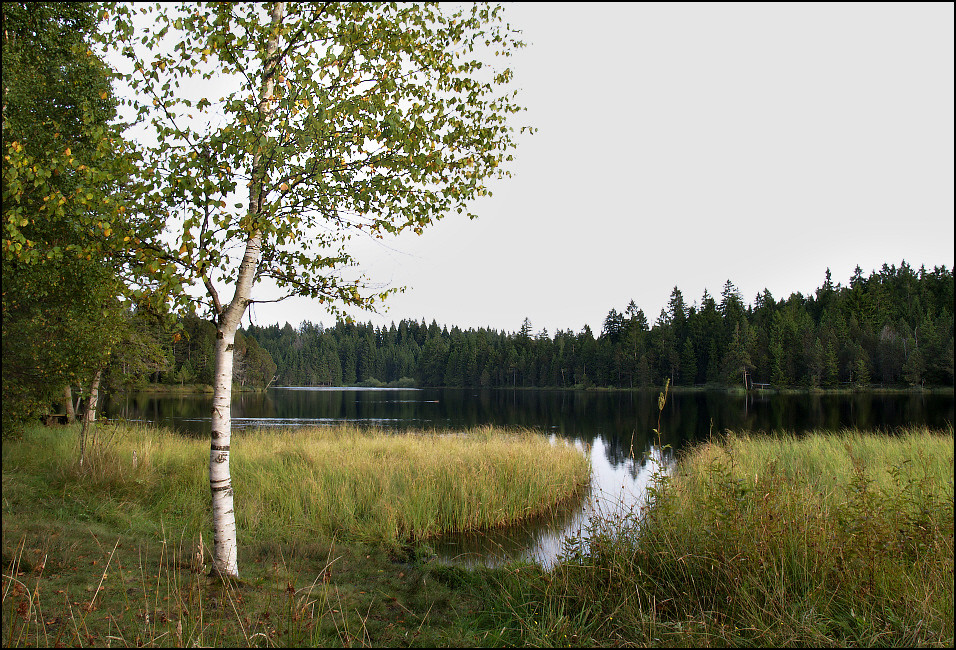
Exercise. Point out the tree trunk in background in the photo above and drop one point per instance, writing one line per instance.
(68, 405)
(225, 548)
(89, 415)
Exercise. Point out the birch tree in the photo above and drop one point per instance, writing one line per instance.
(328, 120)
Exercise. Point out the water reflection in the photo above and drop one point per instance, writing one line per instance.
(617, 427)
(614, 416)
(617, 488)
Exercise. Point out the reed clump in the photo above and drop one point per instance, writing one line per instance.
(828, 539)
(357, 483)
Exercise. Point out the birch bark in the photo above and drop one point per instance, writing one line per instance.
(225, 547)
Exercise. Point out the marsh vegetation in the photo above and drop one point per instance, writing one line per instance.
(833, 538)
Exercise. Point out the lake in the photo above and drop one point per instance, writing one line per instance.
(616, 426)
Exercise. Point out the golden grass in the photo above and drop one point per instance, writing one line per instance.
(362, 483)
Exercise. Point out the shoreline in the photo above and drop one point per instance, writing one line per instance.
(190, 389)
(76, 545)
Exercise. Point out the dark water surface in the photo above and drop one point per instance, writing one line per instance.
(617, 428)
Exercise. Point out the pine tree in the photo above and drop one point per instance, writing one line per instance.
(688, 365)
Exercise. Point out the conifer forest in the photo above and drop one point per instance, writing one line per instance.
(891, 329)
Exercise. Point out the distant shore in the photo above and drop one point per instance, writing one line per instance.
(187, 389)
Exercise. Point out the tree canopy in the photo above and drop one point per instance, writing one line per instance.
(68, 228)
(378, 119)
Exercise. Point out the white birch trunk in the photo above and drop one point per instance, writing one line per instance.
(225, 547)
(220, 479)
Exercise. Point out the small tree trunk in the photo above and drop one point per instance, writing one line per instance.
(68, 404)
(89, 416)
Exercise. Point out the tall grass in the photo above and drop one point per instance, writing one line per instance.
(399, 487)
(832, 539)
(346, 481)
(116, 552)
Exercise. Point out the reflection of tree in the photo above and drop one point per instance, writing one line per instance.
(616, 452)
(620, 419)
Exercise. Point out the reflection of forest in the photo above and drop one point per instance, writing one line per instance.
(624, 420)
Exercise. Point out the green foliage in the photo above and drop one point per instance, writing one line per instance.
(70, 235)
(370, 118)
(782, 344)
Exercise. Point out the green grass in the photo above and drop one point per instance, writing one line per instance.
(829, 539)
(350, 482)
(826, 539)
(118, 554)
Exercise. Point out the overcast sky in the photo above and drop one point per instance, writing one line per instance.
(689, 144)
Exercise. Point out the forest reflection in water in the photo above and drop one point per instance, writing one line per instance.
(617, 427)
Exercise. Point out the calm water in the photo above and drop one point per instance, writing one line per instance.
(617, 427)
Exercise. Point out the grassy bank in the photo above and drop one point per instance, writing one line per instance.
(183, 389)
(115, 553)
(345, 481)
(830, 539)
(170, 389)
(827, 539)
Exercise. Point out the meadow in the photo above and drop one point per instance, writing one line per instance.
(830, 539)
(117, 551)
(838, 538)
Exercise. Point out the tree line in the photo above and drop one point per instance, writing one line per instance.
(893, 328)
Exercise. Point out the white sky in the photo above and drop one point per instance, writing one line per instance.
(689, 144)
